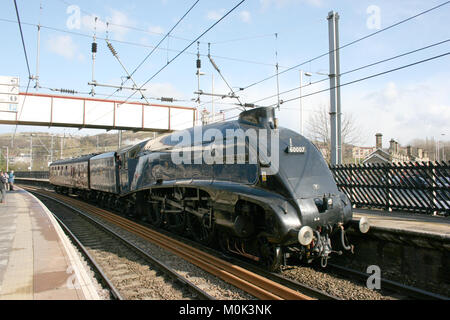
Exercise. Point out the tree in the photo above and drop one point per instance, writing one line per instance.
(319, 130)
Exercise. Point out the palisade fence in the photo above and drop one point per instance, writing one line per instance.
(419, 187)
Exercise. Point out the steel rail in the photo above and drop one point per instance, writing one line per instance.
(290, 283)
(91, 259)
(389, 284)
(311, 292)
(174, 275)
(254, 284)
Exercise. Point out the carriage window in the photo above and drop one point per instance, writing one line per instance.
(125, 161)
(134, 152)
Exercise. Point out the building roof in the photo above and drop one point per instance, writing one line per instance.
(377, 155)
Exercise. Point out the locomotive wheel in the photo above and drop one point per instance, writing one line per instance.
(123, 206)
(199, 231)
(271, 256)
(130, 209)
(154, 215)
(111, 202)
(176, 222)
(103, 201)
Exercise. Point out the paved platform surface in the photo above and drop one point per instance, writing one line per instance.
(37, 261)
(436, 226)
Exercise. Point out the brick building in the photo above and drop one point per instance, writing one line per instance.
(395, 153)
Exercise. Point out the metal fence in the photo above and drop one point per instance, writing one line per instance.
(414, 186)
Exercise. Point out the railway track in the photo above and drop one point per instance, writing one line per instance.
(110, 255)
(285, 281)
(398, 288)
(394, 288)
(258, 285)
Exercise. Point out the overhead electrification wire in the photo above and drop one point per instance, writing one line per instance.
(125, 26)
(140, 44)
(28, 67)
(23, 41)
(161, 33)
(129, 76)
(159, 43)
(351, 82)
(168, 33)
(232, 93)
(243, 39)
(359, 68)
(349, 44)
(189, 45)
(368, 77)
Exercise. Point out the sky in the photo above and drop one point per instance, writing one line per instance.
(246, 45)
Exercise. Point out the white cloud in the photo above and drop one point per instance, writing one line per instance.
(396, 109)
(156, 29)
(403, 112)
(162, 90)
(64, 46)
(113, 23)
(265, 4)
(245, 16)
(215, 14)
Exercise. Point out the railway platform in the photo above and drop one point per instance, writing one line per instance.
(436, 227)
(37, 260)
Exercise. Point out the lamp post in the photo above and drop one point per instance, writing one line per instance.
(308, 74)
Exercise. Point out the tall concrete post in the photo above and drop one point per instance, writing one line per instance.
(335, 94)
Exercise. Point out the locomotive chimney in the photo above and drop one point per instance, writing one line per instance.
(379, 141)
(408, 151)
(392, 146)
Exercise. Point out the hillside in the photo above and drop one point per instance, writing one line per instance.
(47, 147)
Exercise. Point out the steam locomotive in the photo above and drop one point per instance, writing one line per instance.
(248, 186)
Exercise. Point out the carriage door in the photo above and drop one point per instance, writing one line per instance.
(123, 173)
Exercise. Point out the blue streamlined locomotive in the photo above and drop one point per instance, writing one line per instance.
(251, 188)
